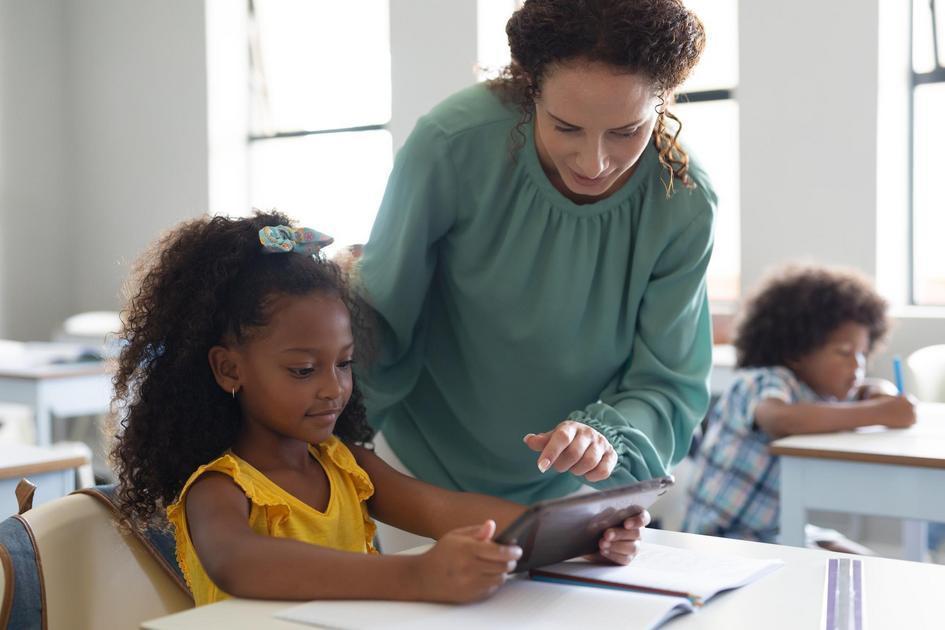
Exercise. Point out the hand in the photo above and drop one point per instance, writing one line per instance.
(346, 257)
(619, 544)
(896, 412)
(465, 565)
(576, 448)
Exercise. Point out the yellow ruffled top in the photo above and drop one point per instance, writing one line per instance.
(345, 523)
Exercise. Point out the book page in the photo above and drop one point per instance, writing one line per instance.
(520, 603)
(699, 573)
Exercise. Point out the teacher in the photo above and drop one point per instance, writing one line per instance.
(537, 265)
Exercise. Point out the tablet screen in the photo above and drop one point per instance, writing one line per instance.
(560, 529)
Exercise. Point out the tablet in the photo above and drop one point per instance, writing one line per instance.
(560, 529)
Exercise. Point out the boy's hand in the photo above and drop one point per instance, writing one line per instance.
(465, 565)
(576, 448)
(896, 412)
(619, 544)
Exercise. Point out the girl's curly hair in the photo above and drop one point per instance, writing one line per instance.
(659, 39)
(205, 281)
(796, 310)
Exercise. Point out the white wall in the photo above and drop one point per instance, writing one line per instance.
(34, 168)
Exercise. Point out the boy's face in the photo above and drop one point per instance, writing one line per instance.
(835, 368)
(296, 375)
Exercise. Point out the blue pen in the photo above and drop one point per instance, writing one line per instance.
(897, 370)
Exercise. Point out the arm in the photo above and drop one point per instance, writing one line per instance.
(643, 423)
(394, 272)
(465, 565)
(425, 509)
(779, 419)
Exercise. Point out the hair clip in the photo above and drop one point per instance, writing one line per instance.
(282, 239)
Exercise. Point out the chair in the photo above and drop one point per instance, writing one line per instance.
(926, 373)
(95, 575)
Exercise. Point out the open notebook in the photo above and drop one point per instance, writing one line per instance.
(525, 603)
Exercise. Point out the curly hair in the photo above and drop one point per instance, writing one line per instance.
(658, 39)
(205, 281)
(797, 309)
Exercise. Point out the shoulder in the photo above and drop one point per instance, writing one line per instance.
(471, 109)
(766, 382)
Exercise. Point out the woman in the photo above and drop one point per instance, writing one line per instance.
(537, 265)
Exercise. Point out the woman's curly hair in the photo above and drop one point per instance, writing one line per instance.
(659, 39)
(796, 310)
(206, 281)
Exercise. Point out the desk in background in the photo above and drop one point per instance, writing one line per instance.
(890, 472)
(897, 595)
(73, 389)
(53, 472)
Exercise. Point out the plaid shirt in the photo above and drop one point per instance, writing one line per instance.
(735, 487)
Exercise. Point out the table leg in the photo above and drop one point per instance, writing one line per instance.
(915, 535)
(43, 420)
(793, 512)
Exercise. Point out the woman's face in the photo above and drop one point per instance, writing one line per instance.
(591, 126)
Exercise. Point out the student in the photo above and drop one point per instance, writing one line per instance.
(801, 350)
(240, 415)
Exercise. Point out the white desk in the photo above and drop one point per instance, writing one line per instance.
(890, 472)
(74, 389)
(897, 595)
(52, 472)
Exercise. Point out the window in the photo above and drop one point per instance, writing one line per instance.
(928, 159)
(706, 106)
(319, 148)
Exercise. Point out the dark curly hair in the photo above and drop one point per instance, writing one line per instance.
(204, 281)
(659, 39)
(795, 311)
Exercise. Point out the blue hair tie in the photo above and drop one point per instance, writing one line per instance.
(282, 239)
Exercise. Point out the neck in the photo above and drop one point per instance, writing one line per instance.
(265, 449)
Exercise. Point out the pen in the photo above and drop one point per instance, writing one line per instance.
(549, 576)
(897, 371)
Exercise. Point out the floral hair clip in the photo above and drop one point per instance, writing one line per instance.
(282, 239)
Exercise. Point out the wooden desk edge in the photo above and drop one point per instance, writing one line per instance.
(24, 470)
(855, 456)
(50, 372)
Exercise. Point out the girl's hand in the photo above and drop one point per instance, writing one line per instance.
(896, 412)
(465, 565)
(619, 544)
(576, 448)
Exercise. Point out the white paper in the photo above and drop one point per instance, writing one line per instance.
(699, 573)
(520, 603)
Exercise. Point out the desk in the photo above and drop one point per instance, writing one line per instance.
(723, 368)
(890, 472)
(73, 389)
(898, 595)
(52, 472)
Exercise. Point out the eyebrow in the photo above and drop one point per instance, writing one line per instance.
(567, 124)
(315, 350)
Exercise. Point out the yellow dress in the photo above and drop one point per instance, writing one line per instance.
(345, 523)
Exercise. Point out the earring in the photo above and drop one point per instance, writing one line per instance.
(233, 392)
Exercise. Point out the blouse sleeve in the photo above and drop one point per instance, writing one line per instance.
(399, 260)
(649, 410)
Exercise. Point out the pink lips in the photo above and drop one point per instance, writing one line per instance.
(588, 180)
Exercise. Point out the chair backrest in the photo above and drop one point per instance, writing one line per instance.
(94, 574)
(926, 373)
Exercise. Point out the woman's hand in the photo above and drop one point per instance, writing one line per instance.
(576, 448)
(619, 544)
(465, 565)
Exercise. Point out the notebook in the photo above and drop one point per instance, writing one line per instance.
(527, 603)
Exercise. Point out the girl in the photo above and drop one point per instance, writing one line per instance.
(241, 417)
(801, 345)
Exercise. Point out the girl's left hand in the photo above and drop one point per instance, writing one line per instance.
(576, 448)
(619, 544)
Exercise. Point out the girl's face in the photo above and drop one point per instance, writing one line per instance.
(834, 369)
(591, 126)
(295, 375)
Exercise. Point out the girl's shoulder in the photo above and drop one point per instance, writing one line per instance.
(336, 452)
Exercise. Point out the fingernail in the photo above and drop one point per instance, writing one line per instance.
(544, 464)
(605, 546)
(516, 552)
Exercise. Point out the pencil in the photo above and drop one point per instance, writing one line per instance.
(564, 578)
(897, 371)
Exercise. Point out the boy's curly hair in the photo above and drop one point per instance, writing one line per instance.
(661, 40)
(205, 281)
(795, 311)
